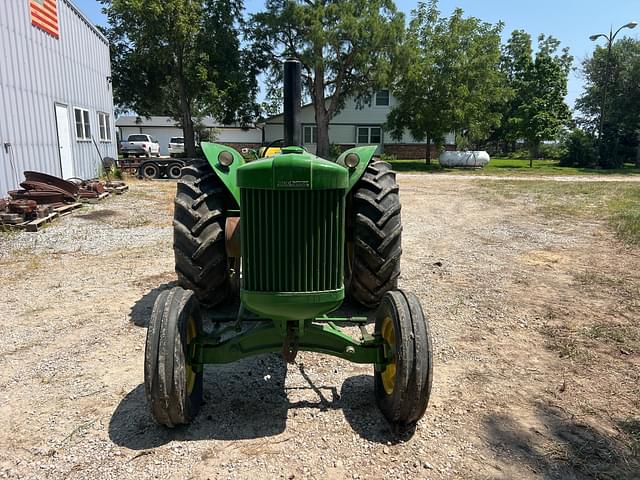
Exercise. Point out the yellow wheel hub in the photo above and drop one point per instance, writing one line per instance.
(191, 375)
(389, 373)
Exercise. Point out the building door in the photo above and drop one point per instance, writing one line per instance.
(64, 141)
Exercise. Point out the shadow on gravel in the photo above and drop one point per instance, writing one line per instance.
(141, 310)
(246, 400)
(567, 447)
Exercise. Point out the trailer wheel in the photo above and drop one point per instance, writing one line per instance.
(150, 170)
(174, 170)
(403, 386)
(374, 227)
(198, 233)
(173, 389)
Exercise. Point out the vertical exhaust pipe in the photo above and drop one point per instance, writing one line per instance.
(292, 100)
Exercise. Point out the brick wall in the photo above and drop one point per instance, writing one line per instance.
(240, 146)
(408, 151)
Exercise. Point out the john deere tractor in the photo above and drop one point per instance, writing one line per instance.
(292, 235)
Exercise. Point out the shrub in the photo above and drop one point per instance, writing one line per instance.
(551, 151)
(334, 151)
(388, 158)
(580, 149)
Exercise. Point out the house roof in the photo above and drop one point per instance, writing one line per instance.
(273, 117)
(159, 121)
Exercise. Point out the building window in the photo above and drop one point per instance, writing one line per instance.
(309, 134)
(83, 128)
(382, 98)
(369, 135)
(104, 123)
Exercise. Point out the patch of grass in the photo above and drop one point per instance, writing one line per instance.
(510, 166)
(625, 216)
(618, 203)
(631, 427)
(616, 333)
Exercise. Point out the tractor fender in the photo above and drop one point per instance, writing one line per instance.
(228, 175)
(365, 154)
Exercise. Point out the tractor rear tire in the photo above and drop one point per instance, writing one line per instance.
(374, 243)
(198, 234)
(173, 389)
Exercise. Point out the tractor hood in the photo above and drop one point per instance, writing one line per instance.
(293, 169)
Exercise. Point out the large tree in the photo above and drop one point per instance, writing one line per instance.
(516, 60)
(346, 48)
(181, 58)
(621, 131)
(451, 80)
(537, 110)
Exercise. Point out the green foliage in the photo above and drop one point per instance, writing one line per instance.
(335, 151)
(388, 158)
(346, 48)
(536, 111)
(180, 58)
(450, 79)
(580, 150)
(551, 151)
(621, 130)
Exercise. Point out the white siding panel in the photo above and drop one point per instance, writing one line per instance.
(37, 71)
(238, 135)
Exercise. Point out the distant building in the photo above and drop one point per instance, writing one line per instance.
(356, 126)
(55, 92)
(164, 128)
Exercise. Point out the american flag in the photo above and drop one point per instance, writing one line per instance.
(44, 15)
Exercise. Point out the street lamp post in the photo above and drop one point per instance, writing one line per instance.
(610, 39)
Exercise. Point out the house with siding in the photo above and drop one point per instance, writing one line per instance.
(356, 125)
(56, 101)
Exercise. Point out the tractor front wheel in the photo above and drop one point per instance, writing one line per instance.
(374, 227)
(198, 234)
(403, 386)
(173, 389)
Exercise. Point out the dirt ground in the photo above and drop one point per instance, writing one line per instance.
(537, 354)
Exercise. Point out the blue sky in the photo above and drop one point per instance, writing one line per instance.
(571, 21)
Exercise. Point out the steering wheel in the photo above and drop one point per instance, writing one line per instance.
(272, 144)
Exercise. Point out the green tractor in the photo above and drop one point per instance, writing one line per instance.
(293, 234)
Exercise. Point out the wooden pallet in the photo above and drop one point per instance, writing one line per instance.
(67, 209)
(32, 225)
(38, 223)
(99, 198)
(117, 190)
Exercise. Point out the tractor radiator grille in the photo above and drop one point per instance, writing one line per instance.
(292, 240)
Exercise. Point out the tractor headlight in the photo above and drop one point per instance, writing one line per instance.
(225, 158)
(352, 160)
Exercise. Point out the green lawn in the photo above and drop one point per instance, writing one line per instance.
(510, 166)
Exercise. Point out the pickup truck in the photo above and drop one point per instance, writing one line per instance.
(140, 144)
(176, 146)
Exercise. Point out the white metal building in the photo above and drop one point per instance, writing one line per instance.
(55, 92)
(356, 125)
(164, 128)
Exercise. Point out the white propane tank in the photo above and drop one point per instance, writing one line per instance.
(469, 159)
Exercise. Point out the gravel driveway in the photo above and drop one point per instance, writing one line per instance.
(530, 380)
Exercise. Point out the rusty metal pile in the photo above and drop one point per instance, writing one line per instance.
(42, 195)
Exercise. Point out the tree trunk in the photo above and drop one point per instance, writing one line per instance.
(321, 113)
(534, 151)
(638, 153)
(322, 141)
(427, 157)
(185, 113)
